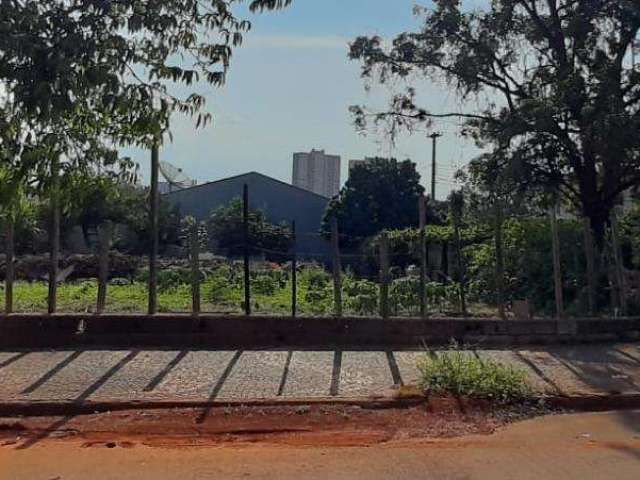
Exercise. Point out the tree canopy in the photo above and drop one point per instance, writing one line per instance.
(80, 76)
(379, 194)
(553, 83)
(226, 232)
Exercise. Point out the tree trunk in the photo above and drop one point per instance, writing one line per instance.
(599, 215)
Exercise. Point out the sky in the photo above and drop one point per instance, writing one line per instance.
(289, 89)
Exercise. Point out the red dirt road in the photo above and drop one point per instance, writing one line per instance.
(320, 443)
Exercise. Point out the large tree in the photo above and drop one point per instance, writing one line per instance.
(560, 88)
(379, 194)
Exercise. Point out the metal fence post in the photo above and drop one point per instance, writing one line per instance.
(194, 247)
(384, 275)
(104, 244)
(557, 267)
(337, 268)
(499, 246)
(422, 208)
(154, 223)
(54, 241)
(617, 260)
(245, 240)
(591, 269)
(10, 269)
(460, 267)
(294, 273)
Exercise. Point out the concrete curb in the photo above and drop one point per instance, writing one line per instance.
(581, 403)
(69, 407)
(241, 332)
(595, 402)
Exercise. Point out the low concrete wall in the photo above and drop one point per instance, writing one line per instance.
(175, 331)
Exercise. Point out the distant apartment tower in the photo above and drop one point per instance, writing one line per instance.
(317, 172)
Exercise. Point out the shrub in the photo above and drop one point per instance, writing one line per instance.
(405, 295)
(223, 284)
(460, 373)
(317, 290)
(167, 278)
(361, 296)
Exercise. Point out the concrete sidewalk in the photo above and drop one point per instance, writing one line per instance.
(150, 375)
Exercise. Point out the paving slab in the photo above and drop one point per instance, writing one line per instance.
(309, 374)
(363, 374)
(255, 375)
(195, 375)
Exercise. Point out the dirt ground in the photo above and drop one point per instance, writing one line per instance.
(313, 425)
(321, 443)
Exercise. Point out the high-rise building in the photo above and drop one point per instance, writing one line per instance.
(317, 172)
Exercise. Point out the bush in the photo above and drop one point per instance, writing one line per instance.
(361, 296)
(167, 278)
(460, 373)
(529, 264)
(316, 289)
(404, 294)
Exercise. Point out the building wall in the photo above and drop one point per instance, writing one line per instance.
(280, 202)
(317, 172)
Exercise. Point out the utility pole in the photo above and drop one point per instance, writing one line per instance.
(434, 137)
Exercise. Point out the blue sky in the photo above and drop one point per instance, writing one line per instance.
(289, 89)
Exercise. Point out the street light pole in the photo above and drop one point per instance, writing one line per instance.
(434, 137)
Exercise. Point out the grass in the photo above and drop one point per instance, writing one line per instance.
(222, 292)
(460, 373)
(80, 297)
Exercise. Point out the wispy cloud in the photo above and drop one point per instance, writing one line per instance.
(297, 42)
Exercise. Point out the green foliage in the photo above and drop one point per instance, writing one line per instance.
(380, 194)
(361, 296)
(461, 373)
(226, 232)
(168, 279)
(404, 296)
(630, 229)
(81, 79)
(529, 263)
(404, 245)
(316, 290)
(90, 200)
(566, 122)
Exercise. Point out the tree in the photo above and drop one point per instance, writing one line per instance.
(226, 232)
(81, 75)
(559, 86)
(380, 194)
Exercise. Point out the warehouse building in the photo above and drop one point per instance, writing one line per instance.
(279, 201)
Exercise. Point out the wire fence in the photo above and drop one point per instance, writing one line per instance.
(425, 279)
